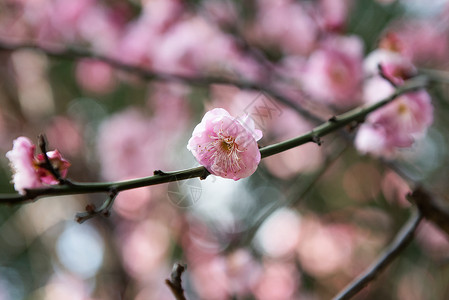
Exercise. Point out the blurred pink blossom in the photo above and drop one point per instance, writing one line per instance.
(210, 280)
(376, 89)
(102, 27)
(416, 284)
(290, 163)
(12, 25)
(64, 16)
(66, 286)
(134, 46)
(132, 204)
(225, 145)
(145, 246)
(391, 42)
(221, 12)
(285, 24)
(65, 134)
(394, 65)
(208, 50)
(168, 101)
(279, 280)
(278, 235)
(220, 276)
(142, 36)
(324, 249)
(334, 14)
(333, 73)
(433, 240)
(28, 168)
(395, 189)
(396, 125)
(422, 41)
(95, 76)
(400, 122)
(155, 290)
(243, 271)
(126, 147)
(23, 165)
(56, 21)
(132, 144)
(372, 139)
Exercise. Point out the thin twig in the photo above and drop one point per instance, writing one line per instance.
(103, 210)
(356, 115)
(175, 281)
(401, 241)
(48, 165)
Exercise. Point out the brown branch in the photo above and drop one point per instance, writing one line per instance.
(175, 281)
(401, 241)
(73, 53)
(431, 207)
(338, 122)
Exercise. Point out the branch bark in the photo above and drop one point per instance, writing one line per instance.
(432, 208)
(175, 282)
(402, 240)
(352, 117)
(79, 53)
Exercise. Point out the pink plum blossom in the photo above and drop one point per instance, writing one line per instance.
(209, 49)
(124, 143)
(278, 236)
(424, 42)
(285, 24)
(65, 134)
(323, 249)
(22, 162)
(28, 168)
(395, 67)
(395, 189)
(280, 280)
(58, 163)
(333, 73)
(144, 247)
(396, 125)
(225, 145)
(219, 276)
(334, 14)
(95, 76)
(372, 139)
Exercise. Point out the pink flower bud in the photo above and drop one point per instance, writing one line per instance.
(22, 162)
(225, 145)
(57, 161)
(29, 170)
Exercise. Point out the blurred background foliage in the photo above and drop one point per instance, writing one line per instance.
(302, 227)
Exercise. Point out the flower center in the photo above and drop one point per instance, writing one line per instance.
(225, 152)
(402, 109)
